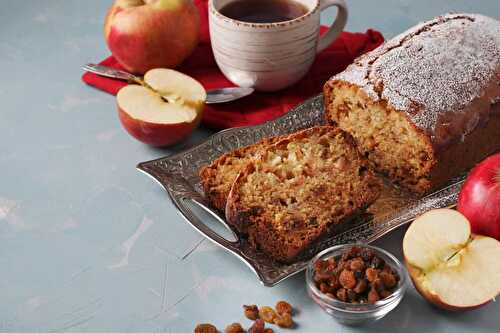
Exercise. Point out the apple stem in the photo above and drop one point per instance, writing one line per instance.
(497, 175)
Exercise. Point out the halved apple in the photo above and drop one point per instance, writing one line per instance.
(449, 266)
(164, 110)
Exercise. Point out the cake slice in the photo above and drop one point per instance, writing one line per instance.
(218, 177)
(297, 188)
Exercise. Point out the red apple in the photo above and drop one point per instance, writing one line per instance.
(163, 111)
(479, 198)
(147, 34)
(449, 266)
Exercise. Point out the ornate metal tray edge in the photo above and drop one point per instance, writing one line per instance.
(178, 175)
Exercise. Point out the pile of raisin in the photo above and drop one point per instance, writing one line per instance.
(357, 276)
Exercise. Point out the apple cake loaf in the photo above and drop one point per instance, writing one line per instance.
(421, 107)
(297, 188)
(218, 177)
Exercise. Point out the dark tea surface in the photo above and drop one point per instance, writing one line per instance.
(264, 11)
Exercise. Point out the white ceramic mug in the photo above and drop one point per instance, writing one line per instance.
(271, 56)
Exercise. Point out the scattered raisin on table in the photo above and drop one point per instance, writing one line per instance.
(284, 320)
(283, 307)
(257, 327)
(267, 314)
(234, 328)
(205, 328)
(251, 311)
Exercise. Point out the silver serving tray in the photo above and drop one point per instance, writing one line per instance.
(178, 174)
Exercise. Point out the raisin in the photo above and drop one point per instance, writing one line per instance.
(334, 283)
(285, 320)
(354, 251)
(267, 314)
(251, 311)
(388, 279)
(283, 307)
(268, 330)
(320, 265)
(342, 294)
(324, 288)
(234, 328)
(351, 295)
(332, 262)
(205, 328)
(361, 286)
(378, 285)
(347, 279)
(346, 264)
(373, 296)
(371, 274)
(357, 264)
(323, 271)
(388, 269)
(385, 293)
(366, 255)
(257, 327)
(377, 262)
(321, 276)
(344, 257)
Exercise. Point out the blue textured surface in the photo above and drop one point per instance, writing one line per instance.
(88, 244)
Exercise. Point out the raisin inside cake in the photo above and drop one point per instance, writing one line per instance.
(297, 188)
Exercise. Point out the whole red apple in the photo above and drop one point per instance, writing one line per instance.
(479, 198)
(147, 34)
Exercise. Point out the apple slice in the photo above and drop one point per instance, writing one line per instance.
(449, 266)
(163, 111)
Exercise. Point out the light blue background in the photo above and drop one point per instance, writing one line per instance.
(87, 243)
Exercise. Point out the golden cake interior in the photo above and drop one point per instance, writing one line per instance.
(384, 136)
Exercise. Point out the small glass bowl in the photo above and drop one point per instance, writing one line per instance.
(357, 314)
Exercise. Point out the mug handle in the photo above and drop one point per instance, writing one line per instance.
(338, 25)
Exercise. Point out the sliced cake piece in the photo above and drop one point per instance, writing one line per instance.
(218, 177)
(297, 188)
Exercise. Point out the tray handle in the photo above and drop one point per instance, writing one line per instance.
(208, 223)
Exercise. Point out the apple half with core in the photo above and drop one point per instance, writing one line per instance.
(167, 108)
(479, 198)
(147, 34)
(450, 267)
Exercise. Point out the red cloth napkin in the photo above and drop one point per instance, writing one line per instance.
(259, 107)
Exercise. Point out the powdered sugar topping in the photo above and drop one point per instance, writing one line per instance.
(434, 72)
